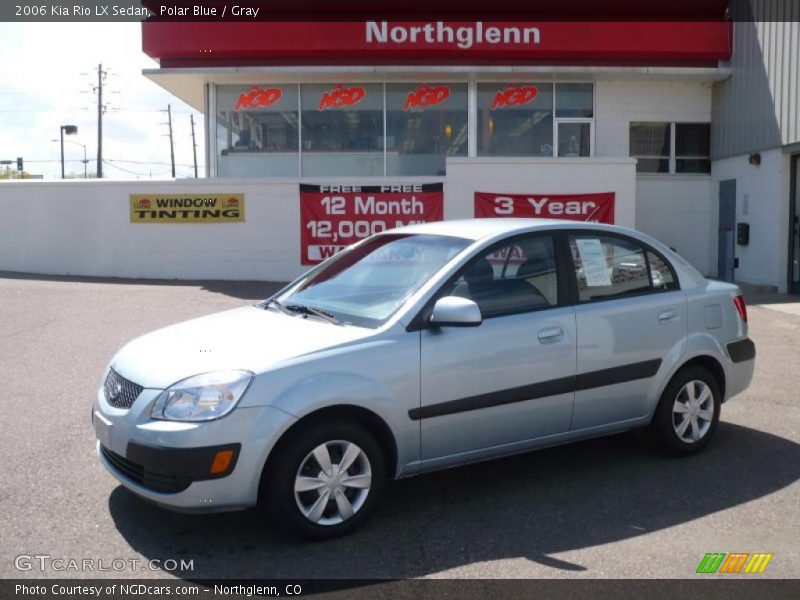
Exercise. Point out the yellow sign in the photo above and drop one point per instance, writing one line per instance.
(187, 208)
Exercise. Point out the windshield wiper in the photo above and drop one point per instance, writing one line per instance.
(279, 306)
(317, 312)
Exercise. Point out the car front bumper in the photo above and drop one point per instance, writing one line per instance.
(177, 464)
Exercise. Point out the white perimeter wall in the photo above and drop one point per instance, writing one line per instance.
(762, 199)
(676, 209)
(84, 228)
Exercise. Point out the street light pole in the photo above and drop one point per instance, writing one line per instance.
(69, 130)
(84, 161)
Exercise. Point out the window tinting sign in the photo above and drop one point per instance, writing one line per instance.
(341, 97)
(257, 97)
(179, 208)
(425, 96)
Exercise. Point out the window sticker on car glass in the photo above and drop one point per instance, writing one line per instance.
(593, 258)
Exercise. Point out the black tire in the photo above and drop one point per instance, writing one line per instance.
(662, 432)
(278, 483)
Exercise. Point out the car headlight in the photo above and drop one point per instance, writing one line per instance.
(202, 397)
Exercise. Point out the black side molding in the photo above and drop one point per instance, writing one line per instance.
(554, 387)
(632, 372)
(507, 396)
(742, 350)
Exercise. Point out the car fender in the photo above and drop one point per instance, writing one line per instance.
(697, 344)
(348, 389)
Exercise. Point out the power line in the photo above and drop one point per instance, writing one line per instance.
(110, 161)
(150, 174)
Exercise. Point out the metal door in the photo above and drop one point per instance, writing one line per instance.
(727, 230)
(795, 221)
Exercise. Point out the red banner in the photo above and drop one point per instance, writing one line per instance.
(335, 216)
(598, 208)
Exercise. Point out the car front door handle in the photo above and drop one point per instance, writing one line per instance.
(550, 335)
(668, 316)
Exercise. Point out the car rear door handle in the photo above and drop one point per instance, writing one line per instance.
(550, 335)
(667, 316)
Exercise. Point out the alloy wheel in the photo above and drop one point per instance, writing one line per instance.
(333, 482)
(693, 412)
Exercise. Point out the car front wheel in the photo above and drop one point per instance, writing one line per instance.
(324, 480)
(688, 412)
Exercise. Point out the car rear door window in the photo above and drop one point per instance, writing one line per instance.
(661, 273)
(609, 267)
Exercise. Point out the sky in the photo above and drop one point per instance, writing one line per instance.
(47, 75)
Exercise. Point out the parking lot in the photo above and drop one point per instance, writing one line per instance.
(602, 508)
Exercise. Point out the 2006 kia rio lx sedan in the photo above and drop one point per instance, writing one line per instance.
(416, 349)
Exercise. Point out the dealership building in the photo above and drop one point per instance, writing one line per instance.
(693, 125)
(685, 123)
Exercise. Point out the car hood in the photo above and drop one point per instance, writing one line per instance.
(249, 338)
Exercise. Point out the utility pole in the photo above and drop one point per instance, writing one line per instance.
(101, 76)
(171, 143)
(194, 146)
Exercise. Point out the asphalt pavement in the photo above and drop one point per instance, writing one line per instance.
(602, 508)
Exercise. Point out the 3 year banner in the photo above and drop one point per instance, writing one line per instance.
(598, 208)
(335, 216)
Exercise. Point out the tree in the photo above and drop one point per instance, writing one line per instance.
(9, 173)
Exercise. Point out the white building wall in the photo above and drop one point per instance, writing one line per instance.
(618, 103)
(465, 176)
(676, 209)
(762, 199)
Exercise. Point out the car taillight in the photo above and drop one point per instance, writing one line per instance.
(741, 307)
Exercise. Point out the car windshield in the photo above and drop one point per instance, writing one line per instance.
(364, 286)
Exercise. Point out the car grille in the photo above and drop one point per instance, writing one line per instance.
(119, 392)
(164, 484)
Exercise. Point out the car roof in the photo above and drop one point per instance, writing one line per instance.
(478, 229)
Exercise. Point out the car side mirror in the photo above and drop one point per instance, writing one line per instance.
(453, 311)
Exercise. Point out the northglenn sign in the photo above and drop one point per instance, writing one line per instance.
(461, 36)
(193, 44)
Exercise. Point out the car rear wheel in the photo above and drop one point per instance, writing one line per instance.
(688, 412)
(324, 480)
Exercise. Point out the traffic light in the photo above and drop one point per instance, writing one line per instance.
(19, 164)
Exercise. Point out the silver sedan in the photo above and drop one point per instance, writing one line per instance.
(418, 349)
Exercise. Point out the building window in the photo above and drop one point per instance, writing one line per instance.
(425, 123)
(671, 147)
(692, 147)
(535, 119)
(257, 131)
(342, 129)
(403, 129)
(515, 119)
